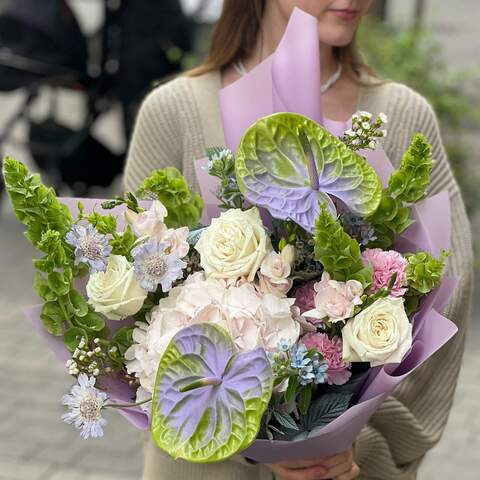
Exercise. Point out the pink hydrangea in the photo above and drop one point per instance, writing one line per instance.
(338, 372)
(385, 264)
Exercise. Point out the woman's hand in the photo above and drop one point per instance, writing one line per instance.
(335, 467)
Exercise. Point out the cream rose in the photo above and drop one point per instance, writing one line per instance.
(116, 293)
(234, 245)
(379, 334)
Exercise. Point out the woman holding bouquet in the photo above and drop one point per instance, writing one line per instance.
(179, 119)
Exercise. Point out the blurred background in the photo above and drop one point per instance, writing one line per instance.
(72, 75)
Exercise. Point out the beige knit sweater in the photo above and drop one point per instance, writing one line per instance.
(175, 124)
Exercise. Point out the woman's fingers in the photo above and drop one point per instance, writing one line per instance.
(334, 460)
(353, 473)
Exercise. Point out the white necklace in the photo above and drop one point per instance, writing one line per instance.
(241, 70)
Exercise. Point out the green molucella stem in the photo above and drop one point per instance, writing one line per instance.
(203, 382)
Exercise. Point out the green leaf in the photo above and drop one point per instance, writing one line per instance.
(123, 338)
(53, 318)
(73, 336)
(78, 303)
(410, 181)
(285, 420)
(91, 321)
(325, 409)
(122, 244)
(424, 272)
(170, 187)
(58, 284)
(304, 399)
(338, 252)
(42, 288)
(292, 388)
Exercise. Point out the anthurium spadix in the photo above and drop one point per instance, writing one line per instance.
(209, 399)
(290, 165)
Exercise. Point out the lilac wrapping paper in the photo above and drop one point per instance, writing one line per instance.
(289, 81)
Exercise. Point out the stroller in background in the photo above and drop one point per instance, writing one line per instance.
(41, 44)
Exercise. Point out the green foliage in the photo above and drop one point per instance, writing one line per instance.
(129, 200)
(122, 243)
(170, 187)
(339, 253)
(424, 271)
(222, 165)
(407, 185)
(105, 224)
(410, 181)
(65, 311)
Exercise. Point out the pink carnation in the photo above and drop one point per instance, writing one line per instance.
(338, 372)
(385, 264)
(305, 296)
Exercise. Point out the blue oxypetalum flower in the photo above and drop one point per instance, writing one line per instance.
(85, 403)
(306, 375)
(299, 357)
(91, 247)
(284, 345)
(320, 371)
(154, 267)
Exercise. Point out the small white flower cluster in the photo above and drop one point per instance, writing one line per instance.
(365, 133)
(91, 361)
(219, 160)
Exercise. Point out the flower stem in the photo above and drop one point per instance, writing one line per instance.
(126, 405)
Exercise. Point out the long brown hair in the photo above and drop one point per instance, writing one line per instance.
(235, 35)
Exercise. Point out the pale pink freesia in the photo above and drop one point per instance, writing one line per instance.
(335, 300)
(386, 263)
(338, 372)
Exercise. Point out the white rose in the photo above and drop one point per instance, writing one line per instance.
(234, 245)
(379, 334)
(116, 293)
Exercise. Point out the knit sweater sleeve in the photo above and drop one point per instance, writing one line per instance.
(155, 141)
(411, 421)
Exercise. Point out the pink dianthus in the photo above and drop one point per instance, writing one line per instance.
(385, 264)
(338, 372)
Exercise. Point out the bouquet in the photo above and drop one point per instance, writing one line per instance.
(274, 325)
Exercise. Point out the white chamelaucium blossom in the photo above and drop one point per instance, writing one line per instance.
(383, 118)
(384, 133)
(365, 125)
(365, 115)
(372, 144)
(85, 403)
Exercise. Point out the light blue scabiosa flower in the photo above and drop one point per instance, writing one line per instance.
(91, 247)
(85, 403)
(154, 267)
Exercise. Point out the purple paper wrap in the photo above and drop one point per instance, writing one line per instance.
(289, 81)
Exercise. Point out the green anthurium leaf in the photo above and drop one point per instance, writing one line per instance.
(209, 400)
(289, 164)
(73, 336)
(91, 321)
